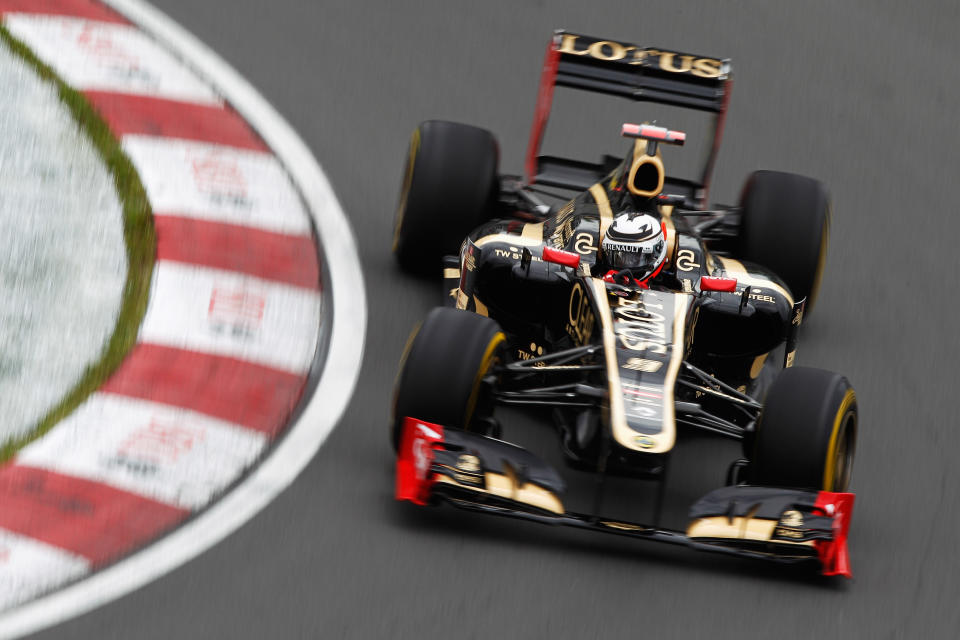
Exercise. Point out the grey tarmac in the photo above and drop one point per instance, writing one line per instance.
(860, 94)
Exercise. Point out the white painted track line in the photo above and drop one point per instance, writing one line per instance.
(347, 315)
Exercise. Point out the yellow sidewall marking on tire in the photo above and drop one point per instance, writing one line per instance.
(403, 364)
(481, 370)
(407, 181)
(830, 466)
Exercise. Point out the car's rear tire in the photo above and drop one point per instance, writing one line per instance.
(450, 186)
(785, 226)
(807, 433)
(442, 370)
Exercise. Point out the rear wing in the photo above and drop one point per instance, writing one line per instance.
(628, 71)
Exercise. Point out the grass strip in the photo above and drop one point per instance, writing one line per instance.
(138, 234)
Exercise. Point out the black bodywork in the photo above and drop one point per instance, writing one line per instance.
(701, 351)
(622, 365)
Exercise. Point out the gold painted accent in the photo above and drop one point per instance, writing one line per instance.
(666, 214)
(580, 318)
(583, 244)
(642, 364)
(565, 213)
(513, 479)
(667, 437)
(611, 51)
(791, 518)
(757, 365)
(624, 435)
(738, 528)
(533, 231)
(707, 68)
(480, 308)
(603, 204)
(485, 363)
(746, 519)
(623, 526)
(568, 44)
(735, 269)
(618, 416)
(528, 493)
(468, 462)
(640, 159)
(530, 236)
(666, 62)
(407, 181)
(791, 358)
(504, 486)
(451, 274)
(830, 466)
(462, 300)
(685, 260)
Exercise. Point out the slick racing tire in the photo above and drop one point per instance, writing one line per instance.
(785, 226)
(450, 186)
(442, 371)
(807, 432)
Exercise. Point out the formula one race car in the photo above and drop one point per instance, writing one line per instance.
(627, 307)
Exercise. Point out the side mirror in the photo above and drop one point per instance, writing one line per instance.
(710, 283)
(566, 258)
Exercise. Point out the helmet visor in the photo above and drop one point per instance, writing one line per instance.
(642, 258)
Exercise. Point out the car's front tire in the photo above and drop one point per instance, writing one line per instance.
(450, 187)
(807, 432)
(442, 371)
(785, 226)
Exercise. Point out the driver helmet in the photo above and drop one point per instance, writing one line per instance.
(635, 241)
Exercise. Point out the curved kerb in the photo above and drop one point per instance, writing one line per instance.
(334, 377)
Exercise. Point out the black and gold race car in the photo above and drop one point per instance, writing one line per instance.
(610, 294)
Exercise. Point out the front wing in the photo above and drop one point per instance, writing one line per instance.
(441, 464)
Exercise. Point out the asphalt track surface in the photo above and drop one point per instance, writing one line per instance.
(860, 94)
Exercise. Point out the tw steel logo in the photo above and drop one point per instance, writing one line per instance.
(610, 51)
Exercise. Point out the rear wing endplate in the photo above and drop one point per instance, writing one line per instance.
(633, 72)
